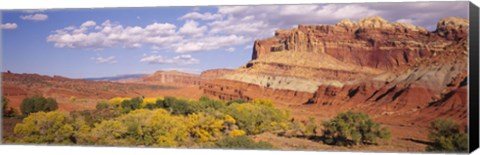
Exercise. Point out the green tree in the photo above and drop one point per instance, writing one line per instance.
(447, 137)
(182, 107)
(38, 103)
(7, 111)
(351, 128)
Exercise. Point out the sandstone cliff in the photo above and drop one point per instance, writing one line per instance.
(173, 78)
(374, 65)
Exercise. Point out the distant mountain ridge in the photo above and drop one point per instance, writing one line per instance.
(117, 77)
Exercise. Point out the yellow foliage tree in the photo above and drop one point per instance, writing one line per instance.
(45, 128)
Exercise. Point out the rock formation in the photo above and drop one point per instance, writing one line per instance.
(376, 66)
(174, 78)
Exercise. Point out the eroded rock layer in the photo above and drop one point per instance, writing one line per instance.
(372, 65)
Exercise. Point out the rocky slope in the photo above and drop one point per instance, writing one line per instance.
(371, 65)
(215, 73)
(169, 78)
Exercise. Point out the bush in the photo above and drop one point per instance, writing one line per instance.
(73, 98)
(310, 127)
(447, 137)
(258, 118)
(242, 142)
(38, 103)
(102, 105)
(239, 101)
(182, 107)
(6, 110)
(130, 105)
(177, 106)
(46, 128)
(352, 128)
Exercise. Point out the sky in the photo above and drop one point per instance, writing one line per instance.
(100, 42)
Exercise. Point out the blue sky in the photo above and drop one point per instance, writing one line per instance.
(79, 43)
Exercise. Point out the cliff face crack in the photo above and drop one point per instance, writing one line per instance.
(386, 93)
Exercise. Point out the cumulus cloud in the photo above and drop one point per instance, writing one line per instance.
(89, 23)
(8, 26)
(201, 16)
(104, 60)
(209, 43)
(35, 17)
(184, 59)
(192, 28)
(108, 34)
(161, 36)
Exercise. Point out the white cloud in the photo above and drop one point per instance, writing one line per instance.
(184, 59)
(104, 60)
(35, 17)
(209, 43)
(8, 26)
(108, 34)
(192, 28)
(204, 16)
(231, 49)
(89, 23)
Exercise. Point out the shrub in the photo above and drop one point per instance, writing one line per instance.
(38, 103)
(447, 137)
(239, 101)
(204, 128)
(154, 128)
(132, 104)
(103, 112)
(182, 107)
(310, 127)
(236, 133)
(73, 98)
(6, 110)
(205, 104)
(46, 128)
(109, 132)
(166, 103)
(242, 142)
(149, 103)
(258, 118)
(350, 128)
(102, 105)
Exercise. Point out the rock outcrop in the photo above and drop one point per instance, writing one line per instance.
(174, 78)
(215, 73)
(372, 65)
